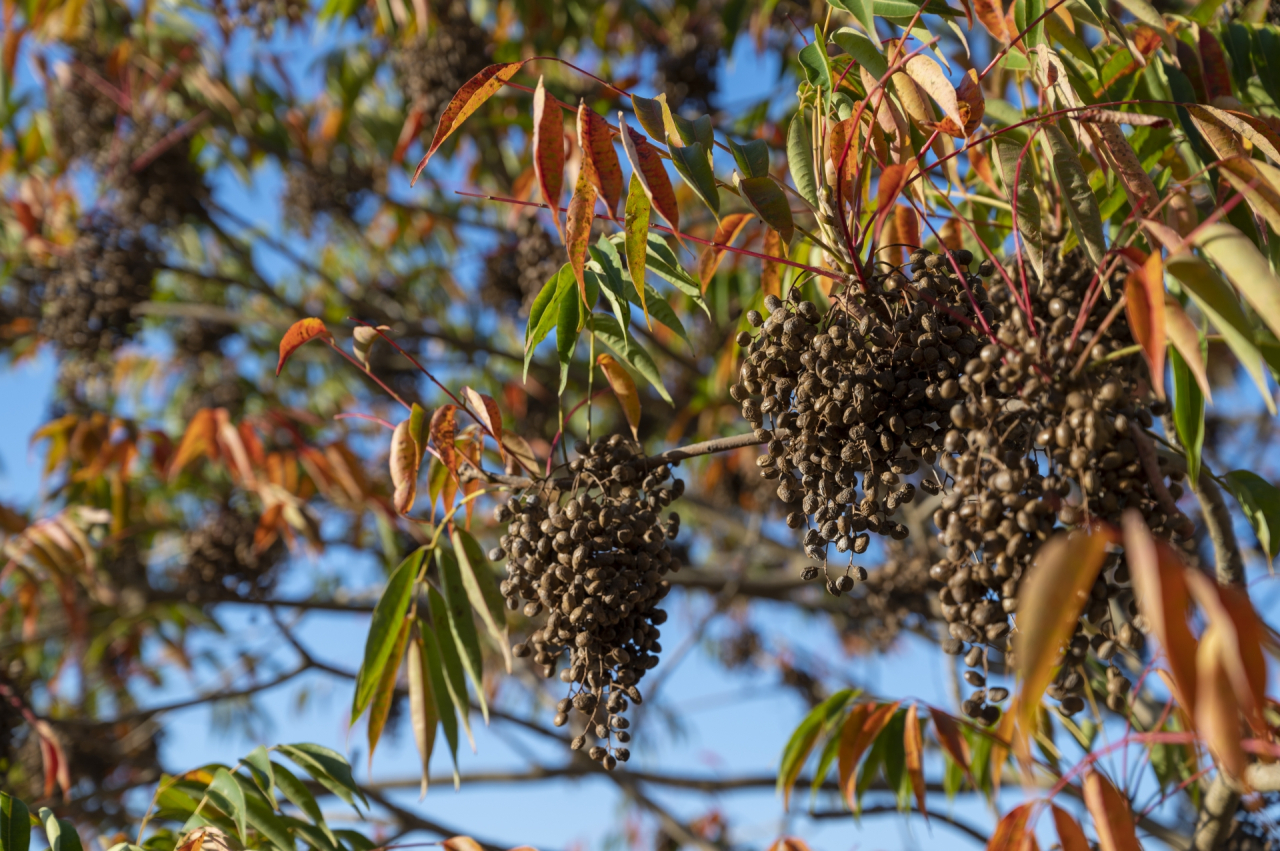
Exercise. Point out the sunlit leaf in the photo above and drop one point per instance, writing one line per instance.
(1188, 412)
(692, 164)
(595, 137)
(423, 714)
(1070, 834)
(548, 150)
(468, 99)
(385, 692)
(300, 332)
(913, 747)
(227, 795)
(608, 330)
(636, 231)
(863, 725)
(1026, 204)
(388, 615)
(1012, 831)
(647, 166)
(1144, 309)
(624, 389)
(578, 226)
(450, 661)
(1112, 814)
(482, 589)
(805, 736)
(769, 202)
(1237, 256)
(800, 159)
(1081, 204)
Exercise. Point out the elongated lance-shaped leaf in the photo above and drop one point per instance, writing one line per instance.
(59, 832)
(226, 795)
(482, 589)
(545, 312)
(1260, 502)
(578, 227)
(548, 150)
(650, 113)
(692, 164)
(384, 695)
(1112, 812)
(461, 625)
(607, 330)
(1186, 340)
(297, 793)
(752, 157)
(647, 166)
(595, 137)
(861, 728)
(612, 285)
(569, 312)
(1023, 198)
(662, 311)
(624, 388)
(769, 202)
(1188, 413)
(469, 98)
(451, 661)
(388, 616)
(730, 226)
(1144, 309)
(259, 762)
(1237, 256)
(299, 333)
(1216, 301)
(15, 824)
(1081, 204)
(443, 691)
(262, 818)
(662, 260)
(805, 736)
(636, 234)
(817, 70)
(423, 714)
(327, 767)
(800, 159)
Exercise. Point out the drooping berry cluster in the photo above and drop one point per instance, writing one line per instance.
(90, 294)
(223, 558)
(334, 187)
(592, 558)
(431, 70)
(856, 393)
(515, 272)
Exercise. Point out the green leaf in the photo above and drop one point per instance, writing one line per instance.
(662, 261)
(863, 51)
(227, 796)
(752, 158)
(662, 311)
(816, 68)
(482, 589)
(800, 159)
(300, 796)
(60, 832)
(649, 114)
(263, 819)
(327, 767)
(635, 236)
(320, 838)
(259, 762)
(388, 616)
(1082, 205)
(356, 841)
(604, 255)
(606, 328)
(830, 751)
(805, 736)
(907, 8)
(450, 662)
(423, 713)
(461, 624)
(569, 313)
(694, 167)
(1260, 501)
(446, 703)
(769, 202)
(542, 316)
(864, 12)
(384, 694)
(870, 766)
(1188, 411)
(15, 824)
(894, 754)
(1204, 11)
(698, 130)
(1216, 301)
(1028, 205)
(1242, 263)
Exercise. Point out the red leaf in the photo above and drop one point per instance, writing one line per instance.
(578, 227)
(1144, 308)
(653, 176)
(469, 98)
(1112, 814)
(949, 737)
(728, 230)
(992, 17)
(908, 226)
(1217, 75)
(548, 148)
(302, 331)
(595, 137)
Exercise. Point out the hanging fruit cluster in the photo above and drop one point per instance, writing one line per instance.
(224, 557)
(430, 70)
(592, 558)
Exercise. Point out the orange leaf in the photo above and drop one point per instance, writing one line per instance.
(913, 746)
(727, 231)
(929, 74)
(1217, 75)
(625, 389)
(1070, 835)
(860, 730)
(469, 98)
(948, 730)
(771, 271)
(595, 137)
(578, 227)
(1112, 814)
(199, 439)
(1186, 339)
(300, 332)
(1229, 610)
(969, 93)
(1217, 715)
(412, 124)
(486, 409)
(789, 843)
(1011, 832)
(982, 165)
(1144, 308)
(548, 147)
(1055, 589)
(992, 17)
(908, 226)
(405, 460)
(653, 176)
(444, 430)
(1161, 591)
(461, 843)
